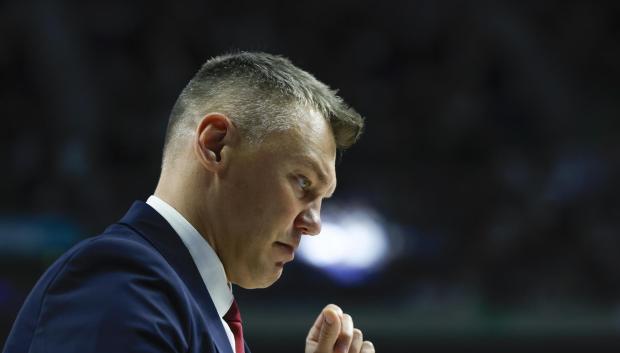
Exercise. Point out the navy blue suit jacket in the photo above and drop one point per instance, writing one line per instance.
(134, 288)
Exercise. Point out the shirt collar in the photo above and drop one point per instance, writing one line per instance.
(206, 260)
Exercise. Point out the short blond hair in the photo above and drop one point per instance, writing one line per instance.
(260, 93)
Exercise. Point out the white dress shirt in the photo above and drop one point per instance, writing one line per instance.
(206, 260)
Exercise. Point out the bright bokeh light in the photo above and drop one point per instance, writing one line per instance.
(353, 244)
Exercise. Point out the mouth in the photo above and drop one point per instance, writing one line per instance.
(286, 251)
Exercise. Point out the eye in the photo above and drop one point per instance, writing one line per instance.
(304, 183)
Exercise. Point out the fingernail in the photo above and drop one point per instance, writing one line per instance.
(329, 319)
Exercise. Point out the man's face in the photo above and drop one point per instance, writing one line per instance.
(269, 196)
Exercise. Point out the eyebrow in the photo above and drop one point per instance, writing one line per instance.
(319, 173)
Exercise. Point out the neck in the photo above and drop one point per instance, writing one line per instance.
(180, 192)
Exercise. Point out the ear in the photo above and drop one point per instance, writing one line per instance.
(214, 132)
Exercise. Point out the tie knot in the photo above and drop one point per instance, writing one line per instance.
(233, 314)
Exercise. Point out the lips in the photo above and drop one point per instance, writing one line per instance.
(286, 251)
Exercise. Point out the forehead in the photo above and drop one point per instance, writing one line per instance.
(310, 143)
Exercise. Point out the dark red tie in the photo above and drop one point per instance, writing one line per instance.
(233, 318)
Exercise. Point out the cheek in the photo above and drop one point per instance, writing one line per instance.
(277, 210)
(265, 204)
(279, 205)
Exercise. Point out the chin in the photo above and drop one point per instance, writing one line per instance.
(265, 281)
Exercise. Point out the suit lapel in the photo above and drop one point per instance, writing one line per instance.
(152, 226)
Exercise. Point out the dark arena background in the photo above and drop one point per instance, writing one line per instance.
(482, 204)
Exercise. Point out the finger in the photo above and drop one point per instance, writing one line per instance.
(330, 330)
(367, 347)
(346, 335)
(356, 344)
(315, 330)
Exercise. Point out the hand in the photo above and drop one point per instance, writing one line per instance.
(333, 332)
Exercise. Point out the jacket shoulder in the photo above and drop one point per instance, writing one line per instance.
(108, 293)
(118, 245)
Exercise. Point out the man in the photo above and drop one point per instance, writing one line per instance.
(249, 155)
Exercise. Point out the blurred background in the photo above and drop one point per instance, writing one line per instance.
(480, 211)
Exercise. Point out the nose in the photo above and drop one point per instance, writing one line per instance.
(309, 221)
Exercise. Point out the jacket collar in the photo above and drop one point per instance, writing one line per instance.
(153, 227)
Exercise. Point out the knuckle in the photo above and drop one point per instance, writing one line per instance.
(346, 336)
(367, 347)
(348, 319)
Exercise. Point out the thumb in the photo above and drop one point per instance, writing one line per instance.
(330, 330)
